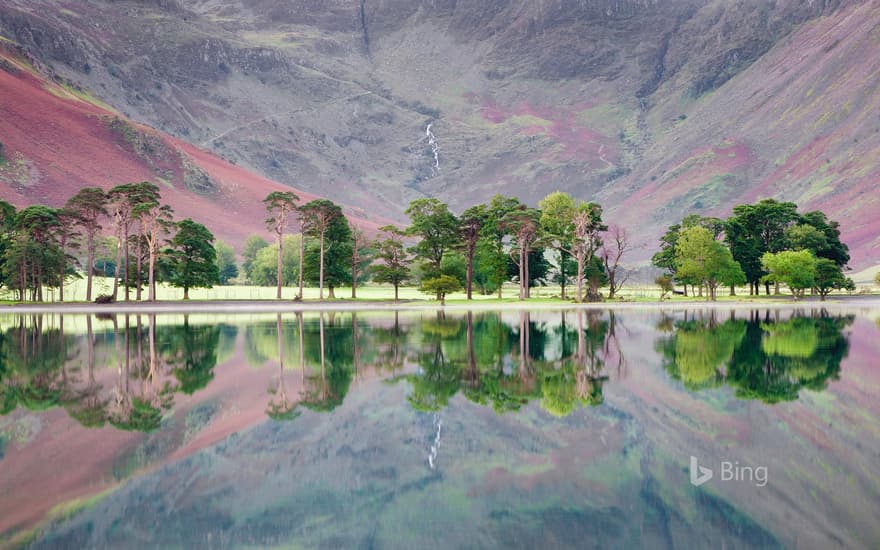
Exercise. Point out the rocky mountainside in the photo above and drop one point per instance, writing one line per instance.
(655, 108)
(57, 138)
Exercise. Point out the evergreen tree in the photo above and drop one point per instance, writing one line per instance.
(328, 262)
(320, 217)
(279, 206)
(393, 261)
(192, 259)
(438, 232)
(89, 206)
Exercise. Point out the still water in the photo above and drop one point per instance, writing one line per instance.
(430, 430)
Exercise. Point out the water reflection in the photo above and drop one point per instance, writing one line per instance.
(561, 360)
(761, 357)
(405, 429)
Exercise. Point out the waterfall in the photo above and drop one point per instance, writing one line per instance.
(435, 148)
(432, 454)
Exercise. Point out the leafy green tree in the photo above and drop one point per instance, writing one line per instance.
(805, 237)
(264, 268)
(329, 262)
(279, 206)
(700, 257)
(576, 228)
(438, 232)
(89, 207)
(829, 276)
(226, 266)
(192, 258)
(755, 229)
(797, 269)
(441, 286)
(557, 215)
(491, 259)
(665, 257)
(393, 262)
(523, 224)
(834, 249)
(319, 217)
(34, 258)
(252, 245)
(665, 284)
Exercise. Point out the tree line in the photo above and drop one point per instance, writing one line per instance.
(767, 243)
(563, 241)
(478, 251)
(38, 243)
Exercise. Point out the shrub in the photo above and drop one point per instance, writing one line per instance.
(105, 299)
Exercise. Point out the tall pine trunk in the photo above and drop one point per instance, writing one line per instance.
(90, 262)
(279, 266)
(63, 268)
(152, 275)
(321, 270)
(302, 254)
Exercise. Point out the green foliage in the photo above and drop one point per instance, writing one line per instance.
(252, 246)
(666, 285)
(226, 266)
(191, 351)
(393, 262)
(263, 269)
(326, 389)
(665, 258)
(557, 215)
(769, 361)
(441, 286)
(796, 269)
(832, 247)
(454, 265)
(701, 350)
(805, 237)
(699, 257)
(191, 257)
(32, 255)
(438, 232)
(755, 229)
(829, 276)
(337, 254)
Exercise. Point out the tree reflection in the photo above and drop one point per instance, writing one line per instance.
(191, 351)
(281, 407)
(767, 359)
(330, 346)
(140, 410)
(563, 361)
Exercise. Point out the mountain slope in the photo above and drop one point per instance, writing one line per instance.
(656, 108)
(57, 138)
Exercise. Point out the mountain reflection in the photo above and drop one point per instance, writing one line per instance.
(561, 360)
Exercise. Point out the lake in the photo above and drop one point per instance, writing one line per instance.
(662, 428)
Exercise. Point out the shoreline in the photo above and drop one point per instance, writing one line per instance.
(285, 306)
